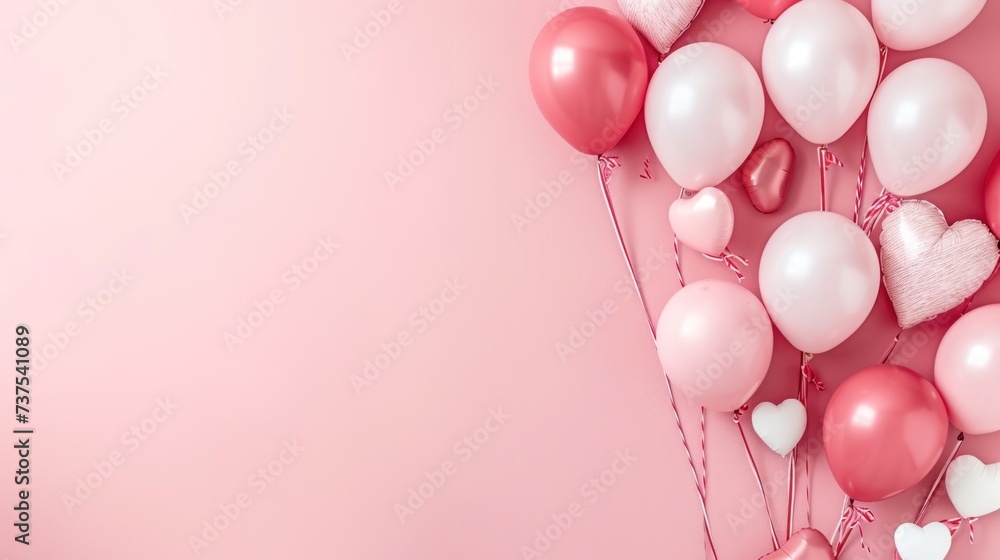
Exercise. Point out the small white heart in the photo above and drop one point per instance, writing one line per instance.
(974, 488)
(780, 426)
(930, 542)
(703, 222)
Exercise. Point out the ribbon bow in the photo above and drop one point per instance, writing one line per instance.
(852, 519)
(739, 412)
(608, 165)
(886, 203)
(810, 375)
(830, 159)
(955, 523)
(730, 260)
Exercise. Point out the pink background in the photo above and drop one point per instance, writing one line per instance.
(293, 384)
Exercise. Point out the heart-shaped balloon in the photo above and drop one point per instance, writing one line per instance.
(929, 267)
(767, 173)
(780, 426)
(974, 488)
(807, 544)
(703, 222)
(930, 542)
(661, 22)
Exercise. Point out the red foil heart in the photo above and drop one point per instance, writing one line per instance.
(767, 173)
(807, 544)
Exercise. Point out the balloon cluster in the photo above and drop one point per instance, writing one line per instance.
(886, 426)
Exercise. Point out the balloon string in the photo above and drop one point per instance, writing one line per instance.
(891, 348)
(677, 250)
(731, 259)
(694, 470)
(826, 160)
(704, 469)
(834, 538)
(955, 523)
(859, 193)
(937, 482)
(737, 414)
(885, 203)
(808, 377)
(851, 519)
(604, 166)
(791, 494)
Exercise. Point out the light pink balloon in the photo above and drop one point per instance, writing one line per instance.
(703, 222)
(588, 75)
(715, 343)
(967, 371)
(819, 277)
(884, 430)
(704, 112)
(821, 63)
(926, 124)
(908, 25)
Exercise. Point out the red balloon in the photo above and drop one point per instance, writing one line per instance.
(766, 9)
(993, 196)
(588, 75)
(884, 430)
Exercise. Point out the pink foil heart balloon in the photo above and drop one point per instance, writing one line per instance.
(928, 267)
(807, 544)
(704, 222)
(661, 22)
(767, 174)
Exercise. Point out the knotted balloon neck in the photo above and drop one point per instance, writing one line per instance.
(730, 260)
(608, 164)
(826, 159)
(852, 519)
(886, 203)
(810, 374)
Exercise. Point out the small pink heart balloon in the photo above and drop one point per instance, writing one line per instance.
(767, 173)
(703, 222)
(807, 544)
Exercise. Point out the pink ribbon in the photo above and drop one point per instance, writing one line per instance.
(886, 203)
(955, 523)
(826, 160)
(645, 169)
(811, 378)
(610, 163)
(830, 159)
(853, 516)
(730, 260)
(859, 193)
(739, 412)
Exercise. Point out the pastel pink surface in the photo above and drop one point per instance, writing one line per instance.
(479, 210)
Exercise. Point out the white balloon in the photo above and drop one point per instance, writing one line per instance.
(821, 62)
(930, 542)
(819, 277)
(926, 124)
(704, 112)
(974, 488)
(908, 25)
(780, 426)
